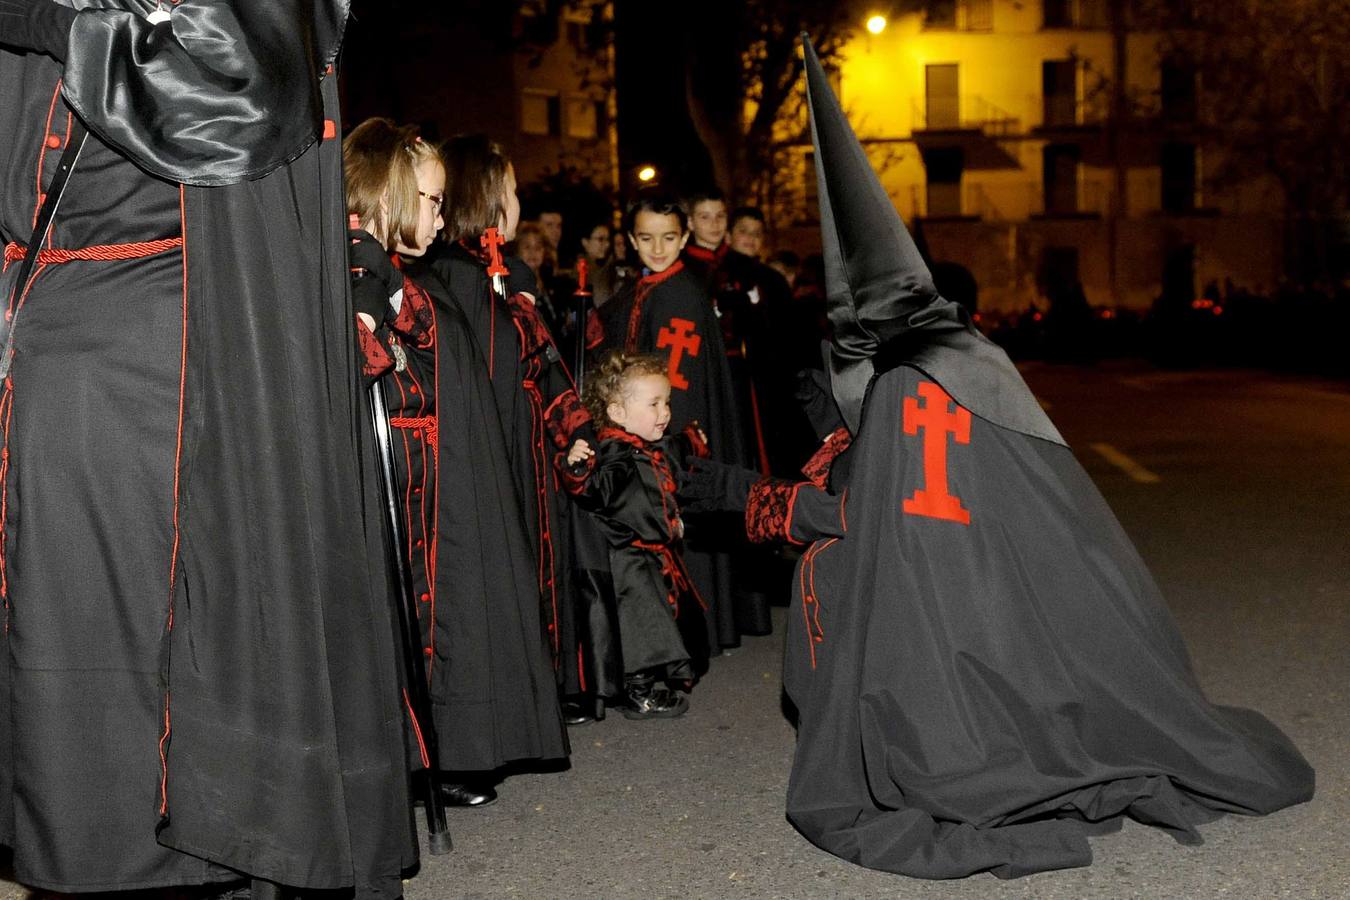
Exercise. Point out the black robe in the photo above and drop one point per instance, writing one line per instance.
(984, 669)
(197, 669)
(670, 314)
(540, 413)
(766, 338)
(629, 489)
(492, 686)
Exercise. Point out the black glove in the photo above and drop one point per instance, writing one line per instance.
(374, 278)
(520, 278)
(36, 25)
(710, 485)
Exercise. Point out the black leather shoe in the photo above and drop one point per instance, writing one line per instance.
(468, 796)
(577, 712)
(647, 700)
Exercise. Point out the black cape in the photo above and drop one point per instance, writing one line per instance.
(197, 677)
(492, 687)
(986, 672)
(528, 384)
(674, 318)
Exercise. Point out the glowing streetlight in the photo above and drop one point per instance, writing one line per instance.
(876, 24)
(646, 174)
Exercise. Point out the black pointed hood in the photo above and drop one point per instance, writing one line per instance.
(880, 296)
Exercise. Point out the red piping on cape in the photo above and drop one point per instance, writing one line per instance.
(177, 473)
(806, 576)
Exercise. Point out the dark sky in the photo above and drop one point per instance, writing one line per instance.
(654, 124)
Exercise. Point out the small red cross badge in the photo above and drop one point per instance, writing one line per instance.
(681, 338)
(933, 500)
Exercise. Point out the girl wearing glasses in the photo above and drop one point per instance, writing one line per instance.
(469, 547)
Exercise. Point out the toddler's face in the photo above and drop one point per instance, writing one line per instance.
(644, 408)
(658, 239)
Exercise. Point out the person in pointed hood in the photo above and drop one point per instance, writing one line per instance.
(984, 669)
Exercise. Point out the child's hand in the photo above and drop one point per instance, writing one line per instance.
(580, 451)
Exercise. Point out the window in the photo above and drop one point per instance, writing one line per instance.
(582, 121)
(1058, 13)
(944, 166)
(1177, 91)
(980, 15)
(944, 102)
(1060, 168)
(1178, 162)
(939, 14)
(540, 112)
(1059, 92)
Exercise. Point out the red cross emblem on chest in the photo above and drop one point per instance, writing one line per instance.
(680, 337)
(937, 421)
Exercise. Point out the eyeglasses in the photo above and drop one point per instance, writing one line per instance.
(437, 200)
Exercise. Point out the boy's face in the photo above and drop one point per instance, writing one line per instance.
(644, 408)
(747, 236)
(551, 224)
(708, 219)
(658, 239)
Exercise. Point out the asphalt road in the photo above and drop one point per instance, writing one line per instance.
(1236, 488)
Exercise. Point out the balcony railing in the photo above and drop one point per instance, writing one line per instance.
(1011, 202)
(967, 112)
(1061, 111)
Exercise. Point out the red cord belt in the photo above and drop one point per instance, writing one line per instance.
(98, 253)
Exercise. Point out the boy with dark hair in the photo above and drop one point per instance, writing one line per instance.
(667, 311)
(708, 224)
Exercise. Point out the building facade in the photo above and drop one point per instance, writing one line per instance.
(1044, 146)
(536, 76)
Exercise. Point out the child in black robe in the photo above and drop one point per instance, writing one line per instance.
(629, 487)
(668, 312)
(469, 547)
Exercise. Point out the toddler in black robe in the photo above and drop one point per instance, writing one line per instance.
(628, 485)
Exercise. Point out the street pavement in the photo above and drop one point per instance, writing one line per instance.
(1235, 486)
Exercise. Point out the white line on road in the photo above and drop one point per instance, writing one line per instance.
(1125, 464)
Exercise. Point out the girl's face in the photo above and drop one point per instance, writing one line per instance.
(644, 407)
(531, 250)
(597, 244)
(658, 239)
(510, 205)
(431, 194)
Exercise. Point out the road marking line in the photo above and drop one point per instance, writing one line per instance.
(1125, 464)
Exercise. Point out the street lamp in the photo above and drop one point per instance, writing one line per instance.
(646, 174)
(876, 24)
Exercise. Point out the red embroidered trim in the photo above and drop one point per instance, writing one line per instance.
(646, 284)
(806, 574)
(6, 412)
(675, 573)
(768, 511)
(817, 468)
(415, 423)
(564, 417)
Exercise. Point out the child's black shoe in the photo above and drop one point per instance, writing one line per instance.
(649, 700)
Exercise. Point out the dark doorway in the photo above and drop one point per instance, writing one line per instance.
(1061, 178)
(944, 166)
(1059, 92)
(944, 99)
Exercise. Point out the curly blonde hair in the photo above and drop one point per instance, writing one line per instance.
(607, 381)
